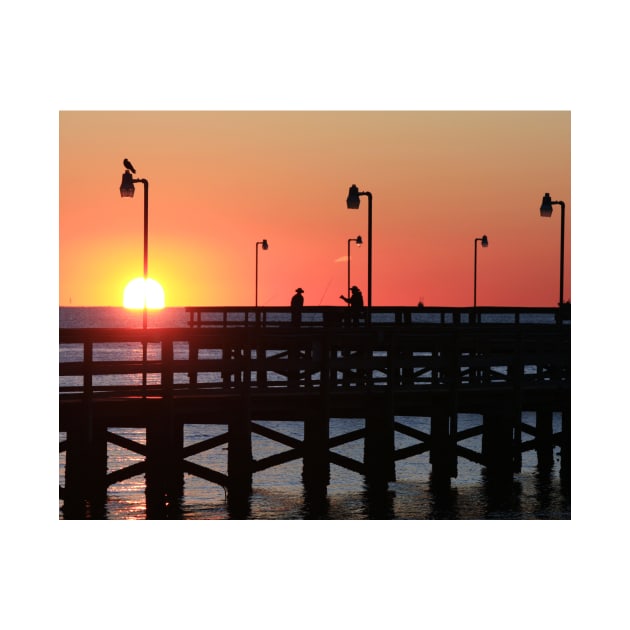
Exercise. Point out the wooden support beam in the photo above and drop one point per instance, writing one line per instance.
(347, 462)
(544, 438)
(344, 438)
(468, 433)
(410, 451)
(442, 447)
(276, 436)
(316, 466)
(139, 468)
(411, 431)
(205, 473)
(240, 460)
(126, 443)
(565, 452)
(527, 428)
(277, 459)
(380, 467)
(497, 444)
(205, 445)
(469, 454)
(164, 472)
(86, 459)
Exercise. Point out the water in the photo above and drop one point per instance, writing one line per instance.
(278, 492)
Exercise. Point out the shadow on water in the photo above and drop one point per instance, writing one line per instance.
(551, 501)
(378, 501)
(84, 509)
(443, 501)
(316, 504)
(239, 505)
(375, 502)
(502, 496)
(539, 496)
(536, 493)
(163, 506)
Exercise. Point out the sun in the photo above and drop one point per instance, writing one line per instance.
(133, 296)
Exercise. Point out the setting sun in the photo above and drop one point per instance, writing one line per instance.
(133, 297)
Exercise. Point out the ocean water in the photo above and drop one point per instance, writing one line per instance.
(278, 492)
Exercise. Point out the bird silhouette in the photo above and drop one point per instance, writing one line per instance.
(129, 165)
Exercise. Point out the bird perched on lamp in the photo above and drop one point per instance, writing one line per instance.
(129, 165)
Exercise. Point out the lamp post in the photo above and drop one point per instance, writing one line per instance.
(265, 246)
(127, 189)
(352, 203)
(359, 241)
(546, 208)
(484, 243)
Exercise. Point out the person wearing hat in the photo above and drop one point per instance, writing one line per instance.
(297, 302)
(356, 303)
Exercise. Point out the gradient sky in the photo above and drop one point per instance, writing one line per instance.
(335, 55)
(219, 181)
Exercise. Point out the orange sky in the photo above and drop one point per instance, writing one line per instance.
(221, 181)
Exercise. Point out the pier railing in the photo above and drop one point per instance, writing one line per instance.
(398, 353)
(313, 317)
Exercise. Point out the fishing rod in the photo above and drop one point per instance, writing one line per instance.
(326, 289)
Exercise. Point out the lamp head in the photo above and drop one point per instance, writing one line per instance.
(126, 187)
(265, 244)
(484, 241)
(546, 208)
(359, 241)
(353, 200)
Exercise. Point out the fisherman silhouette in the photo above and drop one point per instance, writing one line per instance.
(355, 301)
(297, 302)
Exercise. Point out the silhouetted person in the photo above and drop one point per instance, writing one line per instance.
(356, 303)
(297, 302)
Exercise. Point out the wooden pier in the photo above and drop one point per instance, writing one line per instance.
(237, 367)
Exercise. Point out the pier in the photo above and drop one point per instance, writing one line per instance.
(237, 367)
